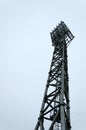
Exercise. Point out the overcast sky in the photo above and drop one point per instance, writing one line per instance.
(25, 57)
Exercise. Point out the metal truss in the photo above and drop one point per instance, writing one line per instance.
(55, 109)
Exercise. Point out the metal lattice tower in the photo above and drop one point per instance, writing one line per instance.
(55, 109)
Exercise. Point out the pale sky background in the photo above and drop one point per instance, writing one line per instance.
(25, 57)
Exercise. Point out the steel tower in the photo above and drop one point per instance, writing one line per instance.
(55, 109)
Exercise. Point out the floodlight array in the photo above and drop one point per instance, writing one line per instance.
(60, 34)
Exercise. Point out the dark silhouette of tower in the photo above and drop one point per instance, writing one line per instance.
(55, 109)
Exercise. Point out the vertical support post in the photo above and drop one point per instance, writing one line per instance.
(62, 111)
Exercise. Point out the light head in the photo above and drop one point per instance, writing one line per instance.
(60, 34)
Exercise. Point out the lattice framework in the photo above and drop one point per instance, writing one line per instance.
(55, 107)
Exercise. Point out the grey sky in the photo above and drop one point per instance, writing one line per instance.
(25, 57)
